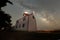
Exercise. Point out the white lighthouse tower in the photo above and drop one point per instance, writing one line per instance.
(26, 23)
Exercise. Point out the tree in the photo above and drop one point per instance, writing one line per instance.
(5, 19)
(3, 3)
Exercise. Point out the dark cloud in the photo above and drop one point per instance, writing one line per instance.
(41, 4)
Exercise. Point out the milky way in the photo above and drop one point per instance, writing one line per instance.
(46, 11)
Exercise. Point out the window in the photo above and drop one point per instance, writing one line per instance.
(24, 19)
(33, 17)
(23, 25)
(19, 25)
(16, 26)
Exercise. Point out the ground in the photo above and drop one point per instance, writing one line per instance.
(28, 36)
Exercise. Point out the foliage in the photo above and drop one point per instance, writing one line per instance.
(5, 19)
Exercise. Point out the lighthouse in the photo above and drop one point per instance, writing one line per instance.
(27, 22)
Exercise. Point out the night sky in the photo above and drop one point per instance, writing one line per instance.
(47, 12)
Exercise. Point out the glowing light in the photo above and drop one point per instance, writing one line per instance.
(26, 12)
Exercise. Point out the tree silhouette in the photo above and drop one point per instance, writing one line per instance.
(5, 19)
